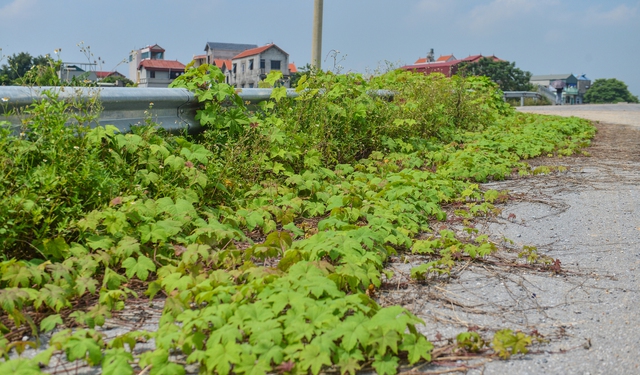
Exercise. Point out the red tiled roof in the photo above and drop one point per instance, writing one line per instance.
(434, 64)
(155, 48)
(253, 51)
(421, 60)
(161, 65)
(100, 74)
(445, 58)
(292, 68)
(199, 57)
(474, 58)
(220, 63)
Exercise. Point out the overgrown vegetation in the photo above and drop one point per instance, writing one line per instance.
(265, 234)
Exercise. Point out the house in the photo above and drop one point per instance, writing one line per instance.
(476, 58)
(448, 68)
(225, 51)
(253, 65)
(447, 65)
(583, 85)
(445, 58)
(564, 85)
(102, 74)
(148, 68)
(78, 71)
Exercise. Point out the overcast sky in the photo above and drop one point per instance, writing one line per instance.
(594, 37)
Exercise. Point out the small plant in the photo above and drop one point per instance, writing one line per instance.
(470, 341)
(507, 343)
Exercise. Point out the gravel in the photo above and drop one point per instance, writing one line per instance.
(589, 219)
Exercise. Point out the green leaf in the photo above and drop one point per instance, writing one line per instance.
(291, 227)
(387, 364)
(221, 357)
(56, 249)
(312, 356)
(50, 322)
(175, 162)
(117, 362)
(279, 93)
(100, 242)
(385, 339)
(417, 347)
(139, 267)
(52, 296)
(273, 77)
(354, 330)
(83, 348)
(20, 366)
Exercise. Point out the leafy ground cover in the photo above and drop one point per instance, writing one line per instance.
(267, 235)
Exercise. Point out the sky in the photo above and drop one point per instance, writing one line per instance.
(594, 37)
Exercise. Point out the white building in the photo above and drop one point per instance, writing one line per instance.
(253, 65)
(148, 68)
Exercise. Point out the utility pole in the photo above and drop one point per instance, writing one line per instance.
(316, 45)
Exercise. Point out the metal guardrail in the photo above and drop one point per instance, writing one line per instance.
(172, 109)
(521, 95)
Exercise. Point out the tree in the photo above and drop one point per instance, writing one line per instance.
(609, 91)
(20, 69)
(504, 73)
(114, 78)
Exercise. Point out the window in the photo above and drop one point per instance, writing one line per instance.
(152, 74)
(243, 65)
(275, 64)
(251, 64)
(251, 85)
(174, 75)
(262, 64)
(145, 55)
(235, 66)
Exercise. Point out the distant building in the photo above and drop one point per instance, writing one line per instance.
(566, 85)
(445, 58)
(79, 71)
(225, 51)
(447, 65)
(245, 65)
(583, 85)
(148, 68)
(102, 75)
(251, 66)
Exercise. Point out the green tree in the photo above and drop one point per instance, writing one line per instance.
(113, 78)
(610, 90)
(504, 73)
(26, 69)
